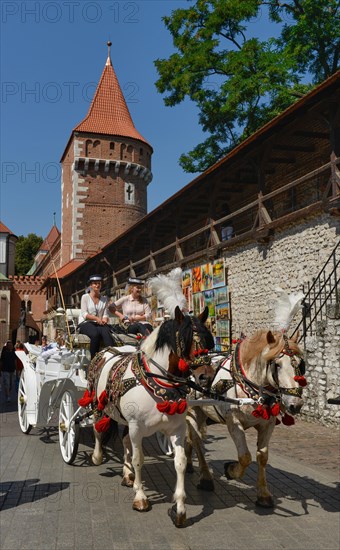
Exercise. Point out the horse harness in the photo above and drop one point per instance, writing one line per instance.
(265, 394)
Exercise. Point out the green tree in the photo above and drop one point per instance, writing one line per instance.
(25, 251)
(238, 81)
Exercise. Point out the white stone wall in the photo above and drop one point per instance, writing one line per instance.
(293, 257)
(322, 354)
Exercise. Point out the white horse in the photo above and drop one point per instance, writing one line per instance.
(267, 367)
(137, 389)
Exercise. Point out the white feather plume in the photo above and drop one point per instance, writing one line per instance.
(168, 289)
(286, 307)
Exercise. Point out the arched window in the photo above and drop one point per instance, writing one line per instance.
(88, 147)
(128, 155)
(96, 148)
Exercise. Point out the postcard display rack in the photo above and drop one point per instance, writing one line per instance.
(205, 285)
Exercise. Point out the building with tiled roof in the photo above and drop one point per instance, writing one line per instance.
(106, 169)
(7, 250)
(47, 259)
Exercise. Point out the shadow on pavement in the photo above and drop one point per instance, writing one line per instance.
(16, 493)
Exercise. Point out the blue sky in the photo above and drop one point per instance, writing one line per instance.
(52, 56)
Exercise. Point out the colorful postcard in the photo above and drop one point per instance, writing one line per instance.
(218, 343)
(197, 303)
(209, 301)
(222, 328)
(206, 277)
(188, 296)
(221, 295)
(211, 324)
(196, 279)
(218, 272)
(225, 344)
(186, 278)
(222, 311)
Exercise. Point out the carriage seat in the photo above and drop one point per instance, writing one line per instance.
(83, 341)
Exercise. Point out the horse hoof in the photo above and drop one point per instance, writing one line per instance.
(128, 481)
(179, 520)
(189, 469)
(95, 461)
(265, 502)
(142, 505)
(227, 465)
(206, 485)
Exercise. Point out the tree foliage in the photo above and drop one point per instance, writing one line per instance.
(25, 251)
(238, 81)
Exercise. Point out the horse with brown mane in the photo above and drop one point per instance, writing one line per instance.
(269, 368)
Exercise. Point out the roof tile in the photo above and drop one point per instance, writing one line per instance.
(108, 113)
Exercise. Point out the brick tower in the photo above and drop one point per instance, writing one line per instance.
(106, 168)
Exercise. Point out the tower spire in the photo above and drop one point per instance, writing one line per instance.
(108, 61)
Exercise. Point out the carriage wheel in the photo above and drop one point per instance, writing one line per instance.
(68, 431)
(164, 444)
(25, 426)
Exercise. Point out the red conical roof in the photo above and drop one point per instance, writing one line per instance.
(108, 113)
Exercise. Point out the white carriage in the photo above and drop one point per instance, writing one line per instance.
(51, 383)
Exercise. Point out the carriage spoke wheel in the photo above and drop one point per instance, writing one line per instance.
(25, 426)
(68, 430)
(164, 444)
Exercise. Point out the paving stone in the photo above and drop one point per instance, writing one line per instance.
(51, 505)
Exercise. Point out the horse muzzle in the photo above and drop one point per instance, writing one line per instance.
(293, 405)
(204, 380)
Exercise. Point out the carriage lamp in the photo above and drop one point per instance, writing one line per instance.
(59, 321)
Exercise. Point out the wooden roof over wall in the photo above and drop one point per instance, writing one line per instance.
(299, 140)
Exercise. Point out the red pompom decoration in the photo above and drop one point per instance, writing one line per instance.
(288, 420)
(163, 407)
(103, 424)
(257, 412)
(265, 413)
(173, 408)
(102, 400)
(275, 409)
(86, 399)
(183, 365)
(301, 380)
(182, 406)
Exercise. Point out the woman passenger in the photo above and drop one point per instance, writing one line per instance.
(94, 316)
(133, 309)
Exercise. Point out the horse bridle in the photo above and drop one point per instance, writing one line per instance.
(200, 353)
(299, 369)
(272, 393)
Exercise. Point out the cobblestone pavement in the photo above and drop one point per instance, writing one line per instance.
(47, 504)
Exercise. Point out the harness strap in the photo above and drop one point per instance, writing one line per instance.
(250, 388)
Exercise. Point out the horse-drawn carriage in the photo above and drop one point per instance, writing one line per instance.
(51, 383)
(147, 388)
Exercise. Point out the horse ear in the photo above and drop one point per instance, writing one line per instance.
(178, 315)
(204, 315)
(270, 337)
(295, 337)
